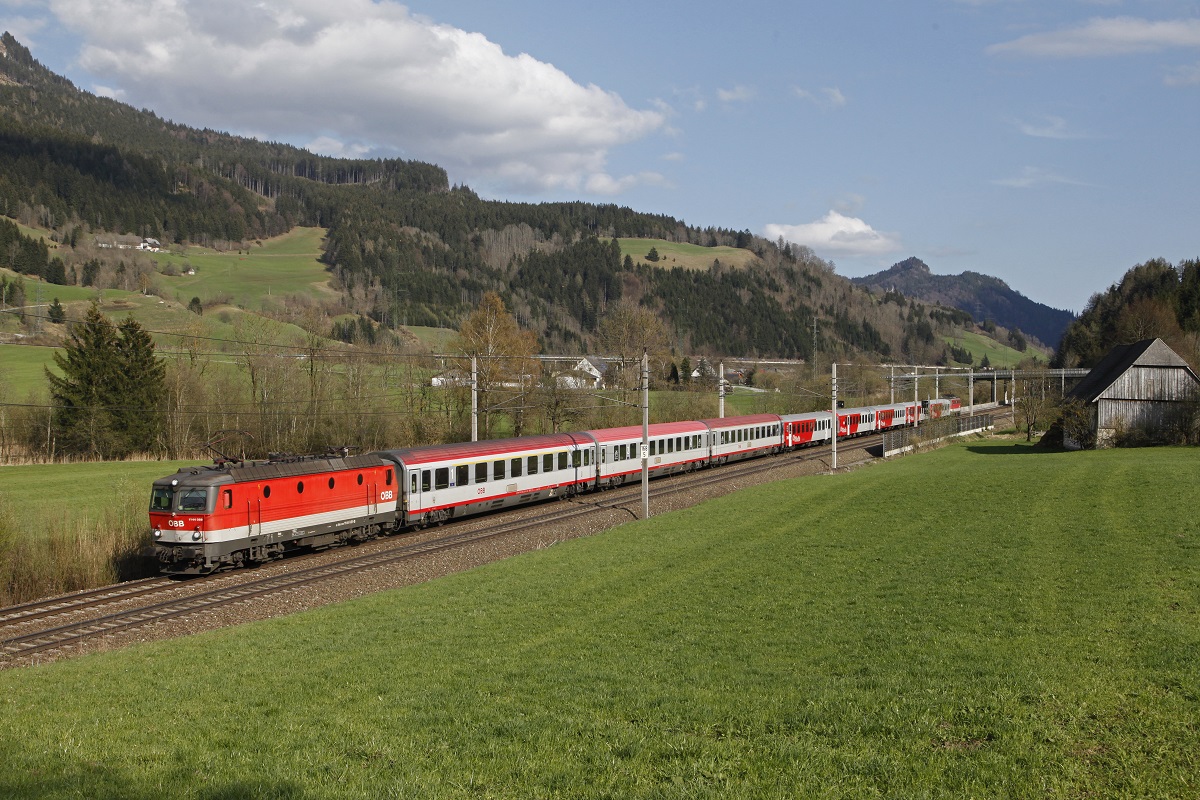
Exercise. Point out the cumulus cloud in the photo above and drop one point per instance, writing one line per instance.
(837, 234)
(1105, 37)
(357, 77)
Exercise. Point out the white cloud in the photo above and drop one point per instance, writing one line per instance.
(600, 183)
(379, 78)
(837, 234)
(738, 94)
(1188, 75)
(1032, 177)
(827, 97)
(1105, 37)
(1050, 127)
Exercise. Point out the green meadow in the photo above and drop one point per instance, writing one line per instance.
(998, 355)
(279, 267)
(681, 254)
(987, 620)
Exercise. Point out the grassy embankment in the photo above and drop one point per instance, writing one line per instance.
(1010, 623)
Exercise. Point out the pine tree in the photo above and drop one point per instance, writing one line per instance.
(56, 312)
(83, 394)
(141, 385)
(110, 388)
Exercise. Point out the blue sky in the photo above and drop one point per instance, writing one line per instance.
(1051, 144)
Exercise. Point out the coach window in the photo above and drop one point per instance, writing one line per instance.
(441, 478)
(576, 459)
(532, 464)
(670, 445)
(653, 450)
(548, 462)
(678, 443)
(481, 472)
(227, 498)
(624, 453)
(425, 485)
(414, 483)
(462, 475)
(516, 467)
(562, 460)
(587, 458)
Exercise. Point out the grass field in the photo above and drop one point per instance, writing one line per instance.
(285, 265)
(688, 256)
(35, 492)
(800, 639)
(22, 372)
(998, 355)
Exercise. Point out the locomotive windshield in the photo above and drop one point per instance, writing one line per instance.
(161, 499)
(193, 500)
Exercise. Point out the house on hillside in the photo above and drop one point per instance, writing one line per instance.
(589, 373)
(1145, 386)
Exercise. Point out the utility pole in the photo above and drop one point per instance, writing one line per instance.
(833, 438)
(474, 399)
(721, 390)
(645, 435)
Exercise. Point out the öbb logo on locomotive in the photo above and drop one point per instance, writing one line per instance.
(231, 514)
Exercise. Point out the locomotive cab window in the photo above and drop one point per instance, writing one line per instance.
(160, 499)
(387, 478)
(227, 498)
(193, 500)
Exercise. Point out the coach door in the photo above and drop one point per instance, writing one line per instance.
(413, 495)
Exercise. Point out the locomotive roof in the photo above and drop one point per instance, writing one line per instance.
(466, 451)
(211, 475)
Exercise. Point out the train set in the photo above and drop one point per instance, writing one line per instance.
(234, 513)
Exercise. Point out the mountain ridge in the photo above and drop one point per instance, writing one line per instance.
(983, 296)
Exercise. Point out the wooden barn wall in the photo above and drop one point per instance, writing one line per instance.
(1127, 414)
(1151, 383)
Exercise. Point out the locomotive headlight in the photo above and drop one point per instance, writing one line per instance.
(196, 535)
(157, 533)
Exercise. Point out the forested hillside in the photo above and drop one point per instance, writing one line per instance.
(402, 243)
(1153, 300)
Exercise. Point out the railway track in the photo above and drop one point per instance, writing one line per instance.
(155, 600)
